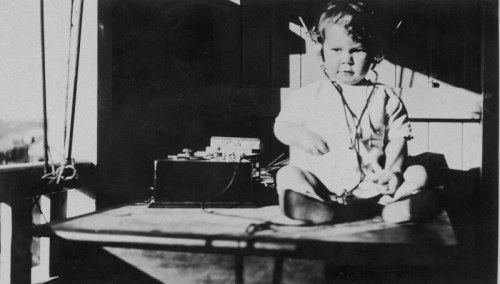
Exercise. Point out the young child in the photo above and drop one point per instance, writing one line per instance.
(347, 135)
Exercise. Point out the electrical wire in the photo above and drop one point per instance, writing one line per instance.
(226, 188)
(353, 134)
(252, 228)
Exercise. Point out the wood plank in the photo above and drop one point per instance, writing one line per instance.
(472, 145)
(256, 45)
(441, 103)
(386, 73)
(227, 42)
(295, 60)
(435, 103)
(5, 242)
(408, 78)
(43, 269)
(310, 62)
(295, 67)
(446, 138)
(420, 142)
(286, 43)
(285, 93)
(23, 180)
(171, 267)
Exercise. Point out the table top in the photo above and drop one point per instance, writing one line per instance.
(226, 230)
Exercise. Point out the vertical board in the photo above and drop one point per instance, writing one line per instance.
(412, 44)
(5, 242)
(472, 145)
(408, 78)
(284, 95)
(446, 138)
(310, 62)
(472, 42)
(295, 60)
(286, 41)
(447, 41)
(386, 73)
(420, 142)
(295, 71)
(226, 43)
(444, 103)
(256, 45)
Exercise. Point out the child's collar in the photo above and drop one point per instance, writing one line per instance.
(362, 83)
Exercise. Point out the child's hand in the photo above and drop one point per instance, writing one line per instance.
(313, 144)
(389, 180)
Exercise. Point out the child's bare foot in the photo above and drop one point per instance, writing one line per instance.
(301, 207)
(397, 212)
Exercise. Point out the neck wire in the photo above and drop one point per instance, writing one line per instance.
(354, 141)
(357, 121)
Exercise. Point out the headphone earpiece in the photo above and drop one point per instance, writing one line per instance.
(377, 59)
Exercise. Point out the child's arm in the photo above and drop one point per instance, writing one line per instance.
(293, 134)
(395, 156)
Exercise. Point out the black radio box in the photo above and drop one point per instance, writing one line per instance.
(186, 183)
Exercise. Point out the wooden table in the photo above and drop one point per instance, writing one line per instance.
(368, 242)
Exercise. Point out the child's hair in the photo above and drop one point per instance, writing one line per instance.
(357, 18)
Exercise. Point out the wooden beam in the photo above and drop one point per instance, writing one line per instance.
(5, 242)
(24, 180)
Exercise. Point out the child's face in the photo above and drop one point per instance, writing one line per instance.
(346, 59)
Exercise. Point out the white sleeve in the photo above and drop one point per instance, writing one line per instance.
(295, 108)
(398, 122)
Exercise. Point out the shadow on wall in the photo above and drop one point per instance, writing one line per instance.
(440, 39)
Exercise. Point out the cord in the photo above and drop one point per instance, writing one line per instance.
(230, 183)
(252, 228)
(355, 143)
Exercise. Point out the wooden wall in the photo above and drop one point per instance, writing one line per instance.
(176, 73)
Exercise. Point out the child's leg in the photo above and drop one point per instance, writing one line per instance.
(415, 179)
(297, 197)
(412, 202)
(302, 196)
(298, 180)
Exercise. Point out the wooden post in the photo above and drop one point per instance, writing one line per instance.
(5, 242)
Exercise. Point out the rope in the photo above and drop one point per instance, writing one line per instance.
(44, 93)
(67, 170)
(75, 87)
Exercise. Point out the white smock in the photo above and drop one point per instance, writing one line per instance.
(318, 107)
